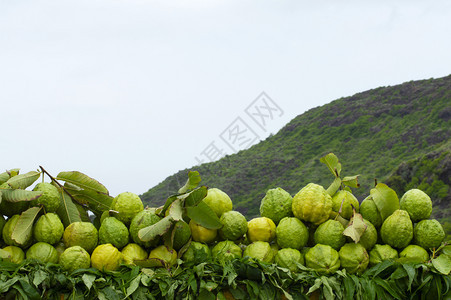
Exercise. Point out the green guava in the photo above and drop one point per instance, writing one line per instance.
(379, 253)
(397, 229)
(288, 258)
(415, 253)
(15, 254)
(348, 200)
(114, 232)
(261, 229)
(182, 234)
(48, 228)
(428, 234)
(43, 252)
(369, 211)
(417, 203)
(369, 236)
(323, 259)
(312, 204)
(196, 253)
(127, 205)
(74, 258)
(330, 233)
(226, 250)
(144, 219)
(276, 205)
(50, 197)
(291, 233)
(83, 234)
(133, 252)
(234, 225)
(106, 257)
(354, 258)
(8, 231)
(218, 201)
(163, 256)
(260, 250)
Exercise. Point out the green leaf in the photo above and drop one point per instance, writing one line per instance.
(176, 210)
(386, 200)
(442, 264)
(81, 180)
(410, 270)
(19, 195)
(192, 182)
(158, 229)
(24, 226)
(351, 181)
(88, 280)
(67, 210)
(23, 181)
(203, 215)
(196, 196)
(134, 284)
(96, 201)
(332, 163)
(356, 227)
(83, 213)
(334, 186)
(7, 175)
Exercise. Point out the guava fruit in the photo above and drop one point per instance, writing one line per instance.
(415, 253)
(16, 254)
(114, 232)
(417, 203)
(276, 205)
(50, 197)
(312, 204)
(83, 234)
(48, 228)
(196, 253)
(397, 229)
(234, 225)
(379, 253)
(330, 233)
(201, 234)
(106, 257)
(348, 200)
(133, 252)
(74, 258)
(127, 205)
(218, 201)
(287, 258)
(291, 233)
(43, 252)
(8, 231)
(354, 258)
(428, 234)
(369, 211)
(163, 256)
(141, 220)
(182, 234)
(226, 250)
(369, 236)
(323, 259)
(261, 229)
(260, 250)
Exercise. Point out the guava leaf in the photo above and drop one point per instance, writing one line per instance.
(203, 215)
(23, 181)
(4, 254)
(192, 182)
(83, 213)
(442, 264)
(356, 227)
(196, 196)
(67, 210)
(331, 161)
(351, 181)
(158, 229)
(7, 175)
(176, 210)
(24, 226)
(20, 195)
(96, 201)
(386, 200)
(334, 186)
(83, 181)
(447, 250)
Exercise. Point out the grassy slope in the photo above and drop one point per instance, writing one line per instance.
(372, 133)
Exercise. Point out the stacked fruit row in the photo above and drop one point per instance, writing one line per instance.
(313, 229)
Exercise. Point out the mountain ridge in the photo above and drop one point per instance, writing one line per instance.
(372, 133)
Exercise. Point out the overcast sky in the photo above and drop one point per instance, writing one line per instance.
(129, 92)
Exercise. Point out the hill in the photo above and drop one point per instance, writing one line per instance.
(384, 133)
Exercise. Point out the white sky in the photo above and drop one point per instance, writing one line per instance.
(130, 92)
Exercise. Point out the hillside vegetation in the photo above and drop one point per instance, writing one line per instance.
(398, 134)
